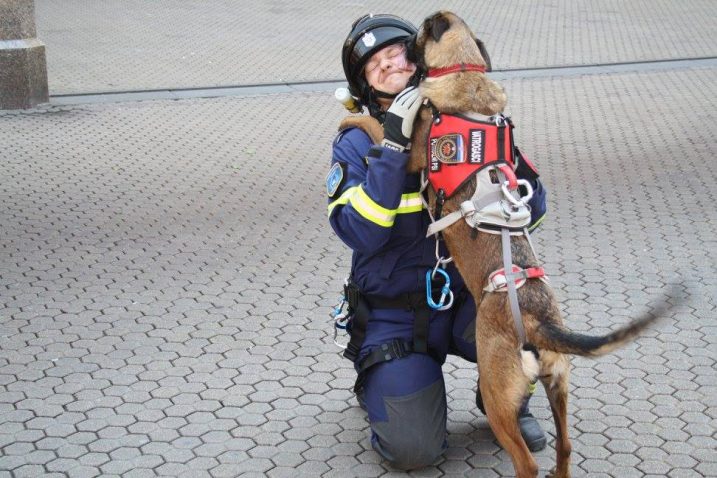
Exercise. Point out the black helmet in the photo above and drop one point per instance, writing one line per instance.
(368, 35)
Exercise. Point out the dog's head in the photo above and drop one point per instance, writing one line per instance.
(443, 40)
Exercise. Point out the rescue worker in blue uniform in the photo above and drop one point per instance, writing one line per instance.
(375, 208)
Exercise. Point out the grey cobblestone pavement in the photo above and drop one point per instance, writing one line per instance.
(167, 273)
(167, 270)
(97, 45)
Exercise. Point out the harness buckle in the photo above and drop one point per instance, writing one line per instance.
(396, 349)
(498, 280)
(351, 352)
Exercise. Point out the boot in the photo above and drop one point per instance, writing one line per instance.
(529, 427)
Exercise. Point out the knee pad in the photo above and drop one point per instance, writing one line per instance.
(414, 435)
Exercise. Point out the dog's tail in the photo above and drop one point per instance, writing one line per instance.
(555, 337)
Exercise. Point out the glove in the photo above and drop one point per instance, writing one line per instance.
(398, 125)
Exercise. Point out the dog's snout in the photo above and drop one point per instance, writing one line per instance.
(436, 25)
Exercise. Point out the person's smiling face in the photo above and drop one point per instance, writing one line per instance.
(388, 70)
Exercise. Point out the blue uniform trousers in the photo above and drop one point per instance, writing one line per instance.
(406, 398)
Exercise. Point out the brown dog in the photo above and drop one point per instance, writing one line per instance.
(445, 40)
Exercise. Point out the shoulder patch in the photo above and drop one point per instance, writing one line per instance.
(334, 179)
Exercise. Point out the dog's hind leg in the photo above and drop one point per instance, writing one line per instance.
(503, 386)
(556, 387)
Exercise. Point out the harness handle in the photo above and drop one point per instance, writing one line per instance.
(523, 199)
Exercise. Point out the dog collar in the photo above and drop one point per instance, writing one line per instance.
(460, 67)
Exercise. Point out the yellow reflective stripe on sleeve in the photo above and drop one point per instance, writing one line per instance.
(343, 199)
(410, 202)
(371, 210)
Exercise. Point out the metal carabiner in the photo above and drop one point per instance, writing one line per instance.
(446, 291)
(442, 261)
(341, 322)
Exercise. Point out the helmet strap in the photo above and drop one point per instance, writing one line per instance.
(381, 94)
(374, 108)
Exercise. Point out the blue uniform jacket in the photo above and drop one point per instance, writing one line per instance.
(376, 210)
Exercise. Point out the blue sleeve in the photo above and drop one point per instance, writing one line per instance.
(538, 204)
(363, 208)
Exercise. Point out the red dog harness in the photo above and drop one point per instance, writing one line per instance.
(460, 146)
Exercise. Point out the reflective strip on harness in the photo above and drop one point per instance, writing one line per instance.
(498, 283)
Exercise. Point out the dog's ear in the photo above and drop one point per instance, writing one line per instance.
(439, 26)
(415, 56)
(484, 54)
(411, 54)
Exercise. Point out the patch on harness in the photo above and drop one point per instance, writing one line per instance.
(477, 152)
(334, 179)
(448, 149)
(460, 146)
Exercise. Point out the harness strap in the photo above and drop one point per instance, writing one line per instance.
(361, 304)
(497, 281)
(512, 290)
(394, 349)
(501, 141)
(420, 324)
(361, 314)
(385, 352)
(467, 209)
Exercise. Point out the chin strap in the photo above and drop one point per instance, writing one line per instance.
(383, 94)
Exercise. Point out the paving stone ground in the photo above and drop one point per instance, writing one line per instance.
(96, 45)
(167, 269)
(167, 273)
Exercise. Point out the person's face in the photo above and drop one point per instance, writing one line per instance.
(388, 70)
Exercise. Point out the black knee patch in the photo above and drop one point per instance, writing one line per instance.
(415, 434)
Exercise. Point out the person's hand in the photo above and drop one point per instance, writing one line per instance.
(400, 116)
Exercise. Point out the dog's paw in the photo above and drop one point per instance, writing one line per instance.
(553, 473)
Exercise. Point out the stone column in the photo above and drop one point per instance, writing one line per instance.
(23, 72)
